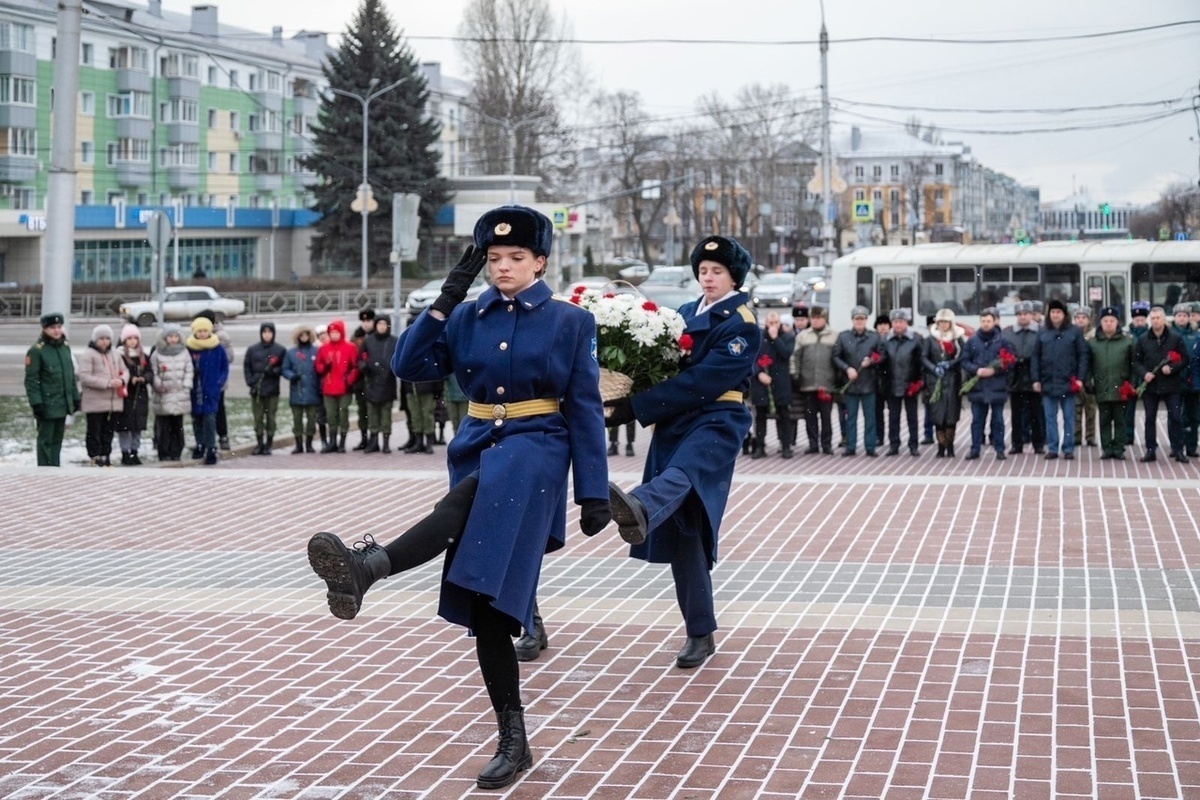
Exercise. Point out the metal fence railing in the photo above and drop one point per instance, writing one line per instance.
(15, 305)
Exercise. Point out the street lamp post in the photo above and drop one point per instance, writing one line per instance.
(364, 191)
(510, 128)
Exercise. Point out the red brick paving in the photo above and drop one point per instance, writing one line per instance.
(161, 637)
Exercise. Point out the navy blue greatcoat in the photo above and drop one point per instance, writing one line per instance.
(692, 430)
(533, 347)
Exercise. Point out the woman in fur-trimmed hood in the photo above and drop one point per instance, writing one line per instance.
(941, 356)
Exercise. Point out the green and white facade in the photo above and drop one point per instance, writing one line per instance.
(175, 112)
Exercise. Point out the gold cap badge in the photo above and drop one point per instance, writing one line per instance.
(712, 246)
(503, 229)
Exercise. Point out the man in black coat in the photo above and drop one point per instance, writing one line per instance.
(1028, 423)
(262, 367)
(1163, 376)
(856, 356)
(772, 386)
(379, 384)
(902, 385)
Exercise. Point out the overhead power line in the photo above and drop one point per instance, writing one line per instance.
(1166, 101)
(805, 42)
(1091, 126)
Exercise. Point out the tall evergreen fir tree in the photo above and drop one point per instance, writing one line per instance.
(402, 156)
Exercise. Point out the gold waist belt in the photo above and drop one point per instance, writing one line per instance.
(502, 411)
(731, 397)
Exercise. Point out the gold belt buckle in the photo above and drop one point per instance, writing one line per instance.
(499, 412)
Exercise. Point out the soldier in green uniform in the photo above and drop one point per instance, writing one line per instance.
(50, 387)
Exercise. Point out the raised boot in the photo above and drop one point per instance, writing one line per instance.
(629, 514)
(372, 444)
(308, 445)
(512, 753)
(387, 443)
(532, 642)
(415, 445)
(347, 573)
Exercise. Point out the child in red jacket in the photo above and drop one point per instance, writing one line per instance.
(337, 366)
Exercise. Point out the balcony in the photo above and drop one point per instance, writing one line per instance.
(14, 116)
(272, 101)
(183, 133)
(304, 105)
(134, 128)
(133, 80)
(18, 62)
(268, 140)
(183, 88)
(183, 177)
(132, 173)
(304, 178)
(302, 145)
(267, 182)
(18, 169)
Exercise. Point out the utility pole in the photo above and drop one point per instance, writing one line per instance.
(828, 250)
(60, 195)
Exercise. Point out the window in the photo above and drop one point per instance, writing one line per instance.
(128, 150)
(18, 91)
(233, 79)
(180, 155)
(87, 152)
(129, 57)
(23, 199)
(860, 194)
(252, 81)
(894, 172)
(15, 36)
(178, 110)
(1004, 286)
(859, 172)
(864, 281)
(212, 76)
(1166, 284)
(937, 170)
(129, 104)
(87, 197)
(235, 121)
(234, 162)
(179, 65)
(87, 103)
(212, 118)
(21, 141)
(252, 122)
(947, 287)
(87, 54)
(274, 82)
(212, 161)
(877, 172)
(255, 201)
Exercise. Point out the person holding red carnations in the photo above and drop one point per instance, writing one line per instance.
(1060, 360)
(941, 356)
(856, 356)
(772, 387)
(1111, 352)
(903, 383)
(816, 378)
(1160, 359)
(987, 360)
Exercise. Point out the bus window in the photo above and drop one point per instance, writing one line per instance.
(886, 288)
(904, 296)
(1004, 287)
(1141, 282)
(865, 278)
(1061, 282)
(946, 287)
(1168, 283)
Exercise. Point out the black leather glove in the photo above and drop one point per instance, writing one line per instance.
(39, 411)
(78, 405)
(593, 516)
(622, 412)
(459, 281)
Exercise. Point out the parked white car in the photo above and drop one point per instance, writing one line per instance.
(182, 303)
(420, 299)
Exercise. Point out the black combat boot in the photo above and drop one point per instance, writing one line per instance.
(387, 443)
(308, 445)
(362, 441)
(341, 446)
(426, 443)
(134, 460)
(258, 446)
(759, 450)
(324, 431)
(629, 514)
(268, 445)
(299, 448)
(613, 449)
(512, 753)
(416, 444)
(372, 444)
(347, 573)
(329, 445)
(533, 642)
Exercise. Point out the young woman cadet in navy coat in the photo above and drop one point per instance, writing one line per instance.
(699, 423)
(526, 362)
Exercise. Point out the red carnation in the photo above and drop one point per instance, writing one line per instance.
(824, 396)
(1074, 385)
(686, 342)
(1174, 357)
(1126, 391)
(575, 298)
(914, 388)
(273, 360)
(1007, 359)
(948, 346)
(649, 306)
(764, 361)
(580, 289)
(610, 294)
(876, 358)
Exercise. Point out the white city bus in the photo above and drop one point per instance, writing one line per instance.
(969, 278)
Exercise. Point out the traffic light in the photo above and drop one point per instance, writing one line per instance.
(1106, 211)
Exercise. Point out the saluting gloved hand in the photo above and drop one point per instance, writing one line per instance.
(39, 411)
(459, 281)
(593, 516)
(622, 412)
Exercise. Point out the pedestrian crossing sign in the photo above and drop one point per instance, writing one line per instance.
(863, 211)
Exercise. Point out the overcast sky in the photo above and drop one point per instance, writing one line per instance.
(1126, 164)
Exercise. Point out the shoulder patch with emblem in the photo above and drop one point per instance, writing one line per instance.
(747, 314)
(738, 346)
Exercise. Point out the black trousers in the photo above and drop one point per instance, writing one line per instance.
(222, 423)
(783, 424)
(438, 533)
(100, 429)
(1174, 403)
(168, 437)
(895, 404)
(1028, 422)
(818, 418)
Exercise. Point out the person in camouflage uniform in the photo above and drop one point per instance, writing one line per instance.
(50, 388)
